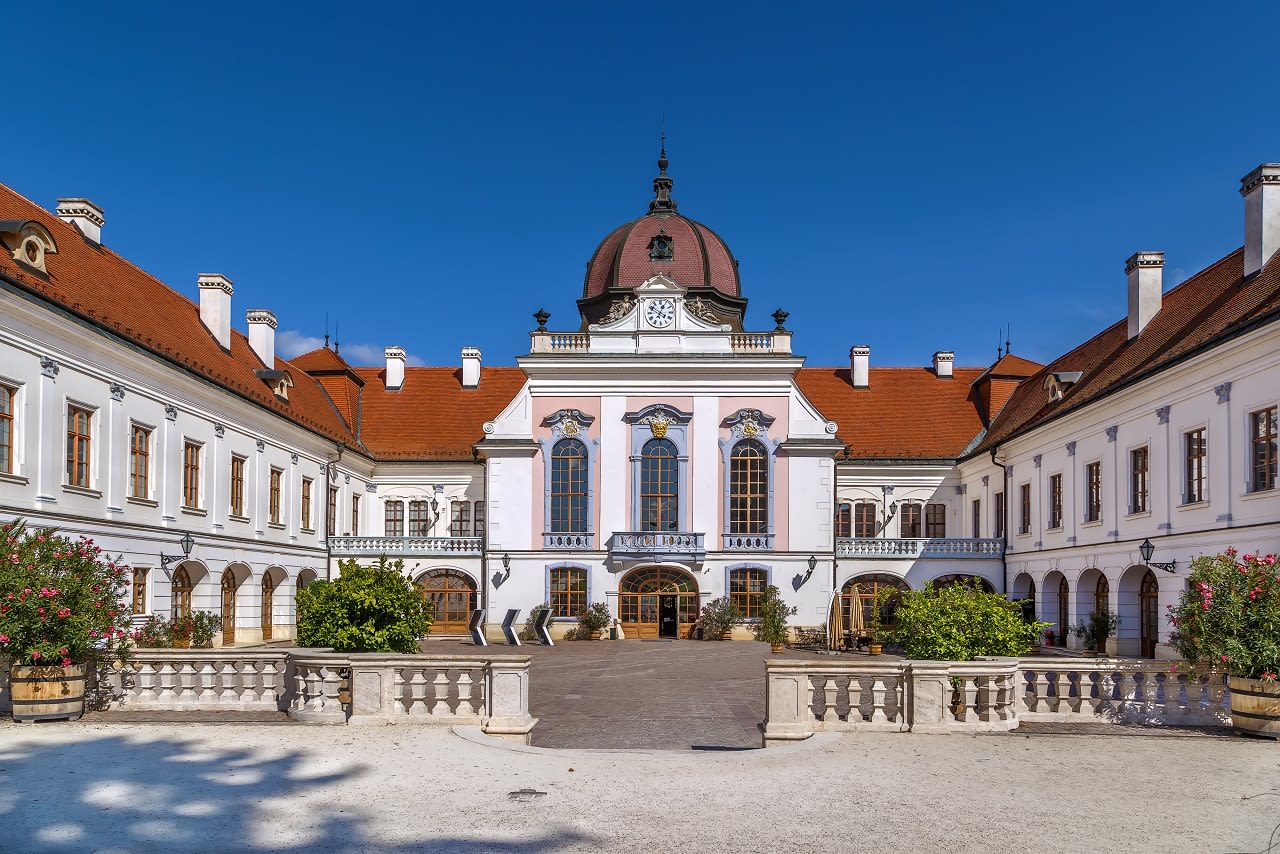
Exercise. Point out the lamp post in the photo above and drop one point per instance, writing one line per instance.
(1147, 549)
(499, 578)
(186, 544)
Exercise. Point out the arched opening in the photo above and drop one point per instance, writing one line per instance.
(859, 595)
(270, 581)
(659, 486)
(967, 580)
(229, 586)
(749, 488)
(569, 487)
(1023, 591)
(658, 601)
(181, 590)
(452, 594)
(1058, 608)
(1149, 614)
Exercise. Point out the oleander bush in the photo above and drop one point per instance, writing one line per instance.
(365, 609)
(1228, 618)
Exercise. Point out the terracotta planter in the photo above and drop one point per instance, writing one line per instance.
(182, 643)
(874, 648)
(1255, 706)
(776, 647)
(727, 634)
(47, 693)
(597, 634)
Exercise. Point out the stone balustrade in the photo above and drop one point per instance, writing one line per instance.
(1122, 690)
(747, 542)
(203, 680)
(559, 342)
(405, 545)
(568, 541)
(909, 548)
(657, 544)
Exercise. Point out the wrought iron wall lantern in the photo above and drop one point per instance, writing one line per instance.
(1147, 549)
(799, 580)
(500, 578)
(186, 543)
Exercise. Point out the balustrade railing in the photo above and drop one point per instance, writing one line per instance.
(657, 544)
(908, 548)
(1122, 690)
(203, 680)
(748, 542)
(405, 545)
(559, 342)
(568, 541)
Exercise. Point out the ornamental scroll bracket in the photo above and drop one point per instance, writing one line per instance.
(749, 423)
(658, 418)
(568, 423)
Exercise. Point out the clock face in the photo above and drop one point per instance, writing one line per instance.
(660, 312)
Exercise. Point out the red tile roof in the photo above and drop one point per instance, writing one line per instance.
(1210, 307)
(700, 257)
(338, 379)
(907, 413)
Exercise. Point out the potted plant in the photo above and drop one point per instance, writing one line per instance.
(771, 627)
(60, 619)
(719, 616)
(1094, 631)
(181, 629)
(1226, 622)
(593, 620)
(204, 625)
(875, 620)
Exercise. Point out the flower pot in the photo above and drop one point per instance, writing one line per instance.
(1089, 653)
(874, 648)
(727, 634)
(47, 693)
(596, 634)
(776, 647)
(1255, 706)
(182, 643)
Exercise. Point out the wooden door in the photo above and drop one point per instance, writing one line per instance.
(228, 608)
(640, 598)
(1149, 607)
(452, 595)
(268, 592)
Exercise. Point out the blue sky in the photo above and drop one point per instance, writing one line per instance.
(913, 177)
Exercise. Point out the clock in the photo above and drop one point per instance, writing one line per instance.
(660, 312)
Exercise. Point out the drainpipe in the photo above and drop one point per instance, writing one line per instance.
(1004, 552)
(484, 542)
(328, 552)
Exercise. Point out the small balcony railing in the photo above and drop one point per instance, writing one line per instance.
(405, 545)
(928, 547)
(557, 542)
(748, 542)
(636, 545)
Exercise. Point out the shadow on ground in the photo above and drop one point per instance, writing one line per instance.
(127, 793)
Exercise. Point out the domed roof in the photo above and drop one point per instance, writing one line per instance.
(662, 242)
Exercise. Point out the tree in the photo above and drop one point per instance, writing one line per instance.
(366, 609)
(960, 622)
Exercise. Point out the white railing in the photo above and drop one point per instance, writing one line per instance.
(405, 545)
(909, 548)
(203, 680)
(559, 342)
(1123, 690)
(568, 541)
(748, 542)
(641, 543)
(761, 342)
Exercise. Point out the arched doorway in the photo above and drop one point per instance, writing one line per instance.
(1102, 605)
(181, 587)
(267, 604)
(1149, 613)
(658, 601)
(864, 589)
(453, 597)
(228, 607)
(1064, 598)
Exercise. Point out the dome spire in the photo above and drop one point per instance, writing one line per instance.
(662, 201)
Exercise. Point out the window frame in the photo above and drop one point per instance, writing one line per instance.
(749, 488)
(1263, 450)
(1195, 468)
(275, 496)
(192, 452)
(331, 512)
(355, 514)
(935, 521)
(842, 523)
(393, 517)
(237, 485)
(916, 522)
(304, 505)
(1024, 503)
(1093, 492)
(975, 517)
(140, 461)
(1139, 480)
(997, 515)
(747, 600)
(138, 590)
(569, 595)
(478, 519)
(79, 446)
(417, 518)
(460, 518)
(857, 522)
(1055, 501)
(644, 425)
(569, 487)
(8, 428)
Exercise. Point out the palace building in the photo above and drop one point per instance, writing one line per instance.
(662, 451)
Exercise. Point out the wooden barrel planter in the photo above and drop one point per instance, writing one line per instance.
(47, 693)
(1255, 706)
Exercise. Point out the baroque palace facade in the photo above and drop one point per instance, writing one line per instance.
(659, 455)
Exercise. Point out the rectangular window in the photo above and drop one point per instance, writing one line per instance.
(567, 587)
(479, 519)
(355, 515)
(844, 520)
(1263, 449)
(191, 475)
(1138, 480)
(79, 423)
(976, 504)
(746, 591)
(864, 519)
(139, 462)
(277, 475)
(460, 519)
(304, 518)
(1197, 451)
(997, 519)
(1055, 501)
(237, 486)
(935, 520)
(331, 514)
(139, 590)
(419, 518)
(1093, 492)
(1024, 520)
(393, 518)
(8, 397)
(909, 526)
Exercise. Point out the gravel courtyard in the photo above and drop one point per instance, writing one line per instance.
(274, 788)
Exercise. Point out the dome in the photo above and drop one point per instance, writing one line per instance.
(662, 242)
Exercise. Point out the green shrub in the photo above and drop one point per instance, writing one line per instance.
(1228, 618)
(961, 622)
(719, 616)
(594, 618)
(771, 627)
(366, 609)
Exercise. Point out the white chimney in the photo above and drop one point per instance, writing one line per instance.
(1146, 288)
(395, 367)
(262, 335)
(215, 306)
(470, 367)
(860, 365)
(943, 360)
(1261, 191)
(83, 214)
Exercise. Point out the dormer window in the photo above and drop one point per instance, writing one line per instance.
(279, 381)
(29, 241)
(1058, 382)
(660, 247)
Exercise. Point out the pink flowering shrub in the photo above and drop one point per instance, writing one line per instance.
(60, 599)
(1229, 616)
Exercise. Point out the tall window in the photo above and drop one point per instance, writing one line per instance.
(1093, 492)
(277, 476)
(1055, 501)
(191, 474)
(7, 398)
(1196, 450)
(479, 519)
(844, 520)
(749, 488)
(460, 519)
(1138, 480)
(419, 518)
(746, 589)
(304, 518)
(569, 487)
(355, 515)
(935, 520)
(864, 519)
(567, 591)
(331, 512)
(393, 518)
(139, 461)
(659, 486)
(976, 504)
(139, 590)
(1263, 454)
(1024, 519)
(997, 521)
(181, 588)
(79, 422)
(909, 526)
(237, 486)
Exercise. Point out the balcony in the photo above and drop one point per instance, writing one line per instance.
(911, 549)
(405, 546)
(657, 545)
(748, 542)
(561, 542)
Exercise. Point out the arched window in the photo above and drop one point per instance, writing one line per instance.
(569, 489)
(566, 590)
(1102, 595)
(1064, 591)
(1149, 614)
(749, 488)
(181, 593)
(746, 589)
(452, 595)
(1029, 605)
(659, 486)
(859, 596)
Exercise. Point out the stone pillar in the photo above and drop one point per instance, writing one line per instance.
(929, 697)
(508, 715)
(787, 716)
